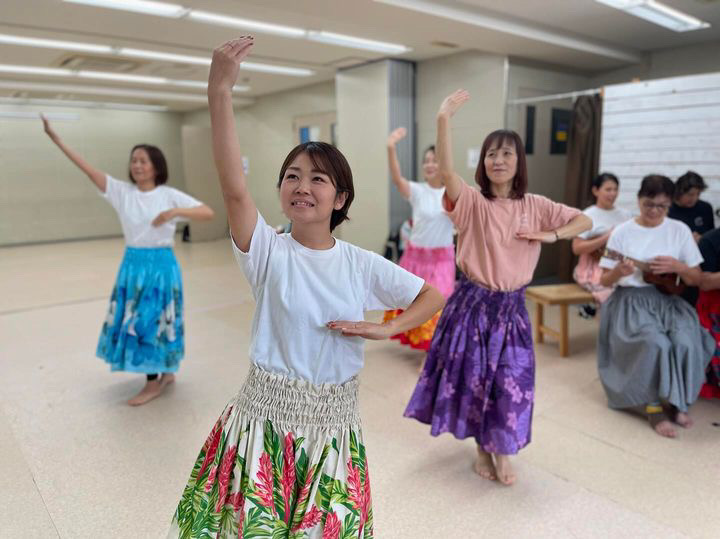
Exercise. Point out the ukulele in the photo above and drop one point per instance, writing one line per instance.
(668, 283)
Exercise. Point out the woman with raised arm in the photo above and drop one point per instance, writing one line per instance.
(287, 458)
(479, 377)
(430, 252)
(144, 330)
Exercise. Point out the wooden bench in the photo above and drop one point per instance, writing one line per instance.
(556, 294)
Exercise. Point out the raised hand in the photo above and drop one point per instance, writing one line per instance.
(452, 103)
(226, 62)
(366, 330)
(396, 136)
(48, 129)
(164, 217)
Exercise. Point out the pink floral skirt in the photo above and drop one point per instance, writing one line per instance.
(285, 459)
(437, 267)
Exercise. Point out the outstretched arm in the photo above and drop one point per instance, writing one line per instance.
(443, 145)
(95, 175)
(196, 213)
(403, 186)
(241, 210)
(581, 246)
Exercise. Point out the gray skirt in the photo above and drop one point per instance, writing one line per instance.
(651, 349)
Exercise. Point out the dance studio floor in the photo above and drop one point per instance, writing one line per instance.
(78, 462)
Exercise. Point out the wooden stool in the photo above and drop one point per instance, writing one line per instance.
(556, 294)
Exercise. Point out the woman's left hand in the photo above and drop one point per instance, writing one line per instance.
(164, 217)
(543, 237)
(666, 264)
(366, 330)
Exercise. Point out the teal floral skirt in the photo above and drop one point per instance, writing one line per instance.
(285, 460)
(143, 330)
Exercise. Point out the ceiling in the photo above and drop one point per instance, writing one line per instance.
(578, 35)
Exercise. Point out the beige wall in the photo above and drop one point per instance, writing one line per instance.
(675, 62)
(265, 130)
(484, 76)
(363, 121)
(44, 197)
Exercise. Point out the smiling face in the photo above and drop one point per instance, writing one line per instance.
(606, 194)
(501, 162)
(308, 195)
(141, 168)
(430, 168)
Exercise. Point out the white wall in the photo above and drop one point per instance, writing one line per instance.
(44, 197)
(265, 130)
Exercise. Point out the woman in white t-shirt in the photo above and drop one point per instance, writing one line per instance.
(590, 245)
(652, 351)
(430, 251)
(143, 331)
(286, 458)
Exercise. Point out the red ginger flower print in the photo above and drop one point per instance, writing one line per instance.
(211, 479)
(288, 479)
(332, 527)
(237, 500)
(265, 482)
(310, 520)
(226, 468)
(210, 447)
(358, 493)
(303, 496)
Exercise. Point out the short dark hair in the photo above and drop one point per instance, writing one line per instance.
(430, 148)
(655, 184)
(520, 181)
(328, 159)
(689, 180)
(603, 177)
(156, 158)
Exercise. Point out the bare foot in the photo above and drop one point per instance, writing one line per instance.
(505, 472)
(684, 420)
(152, 390)
(484, 466)
(167, 379)
(662, 425)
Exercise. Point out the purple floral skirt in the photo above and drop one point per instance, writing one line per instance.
(479, 376)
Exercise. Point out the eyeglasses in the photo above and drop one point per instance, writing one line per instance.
(652, 206)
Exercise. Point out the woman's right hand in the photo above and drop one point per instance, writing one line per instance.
(396, 136)
(226, 62)
(49, 130)
(452, 103)
(625, 268)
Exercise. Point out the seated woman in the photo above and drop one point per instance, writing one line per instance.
(652, 351)
(590, 245)
(687, 206)
(708, 306)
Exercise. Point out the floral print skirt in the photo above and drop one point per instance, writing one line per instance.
(479, 376)
(437, 266)
(143, 330)
(285, 460)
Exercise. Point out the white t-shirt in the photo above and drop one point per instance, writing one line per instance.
(603, 220)
(671, 238)
(137, 209)
(431, 226)
(299, 290)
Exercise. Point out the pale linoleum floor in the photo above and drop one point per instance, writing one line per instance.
(78, 462)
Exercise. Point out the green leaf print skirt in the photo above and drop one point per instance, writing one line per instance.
(285, 460)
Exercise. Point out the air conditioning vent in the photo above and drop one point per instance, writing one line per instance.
(97, 63)
(345, 62)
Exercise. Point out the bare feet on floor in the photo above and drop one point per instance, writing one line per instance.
(662, 425)
(152, 390)
(504, 470)
(484, 466)
(684, 420)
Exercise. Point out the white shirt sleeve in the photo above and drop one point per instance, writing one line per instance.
(689, 251)
(115, 191)
(415, 192)
(588, 233)
(179, 199)
(254, 263)
(391, 287)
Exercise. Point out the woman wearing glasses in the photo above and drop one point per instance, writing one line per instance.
(652, 351)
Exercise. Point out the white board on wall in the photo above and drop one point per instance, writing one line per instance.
(663, 126)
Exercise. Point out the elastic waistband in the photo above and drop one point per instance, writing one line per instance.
(298, 403)
(432, 254)
(149, 253)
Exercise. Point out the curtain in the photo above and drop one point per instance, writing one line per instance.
(583, 162)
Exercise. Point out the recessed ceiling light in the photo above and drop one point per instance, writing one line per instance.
(357, 42)
(83, 104)
(658, 13)
(147, 7)
(54, 44)
(234, 22)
